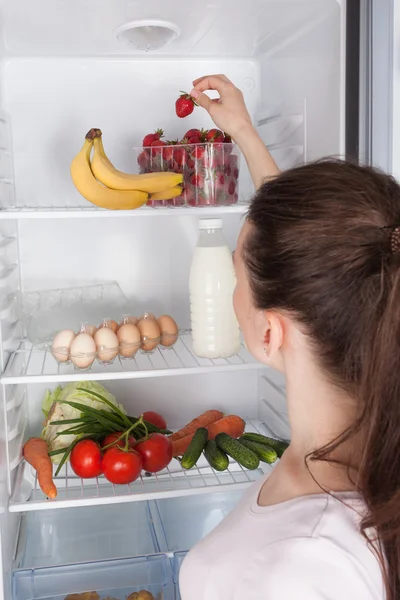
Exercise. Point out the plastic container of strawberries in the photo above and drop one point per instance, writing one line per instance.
(210, 172)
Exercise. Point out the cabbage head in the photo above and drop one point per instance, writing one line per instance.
(55, 411)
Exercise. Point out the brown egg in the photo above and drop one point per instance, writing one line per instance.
(150, 334)
(129, 340)
(129, 319)
(90, 329)
(106, 344)
(110, 324)
(169, 330)
(83, 351)
(148, 315)
(62, 344)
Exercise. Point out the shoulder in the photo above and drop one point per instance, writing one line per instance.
(309, 568)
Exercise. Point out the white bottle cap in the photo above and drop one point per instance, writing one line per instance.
(210, 224)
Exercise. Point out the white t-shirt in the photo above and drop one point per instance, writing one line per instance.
(308, 548)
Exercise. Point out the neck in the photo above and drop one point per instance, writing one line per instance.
(319, 413)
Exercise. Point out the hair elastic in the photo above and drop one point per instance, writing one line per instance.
(395, 240)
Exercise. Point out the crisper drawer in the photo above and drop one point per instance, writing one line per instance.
(177, 561)
(180, 523)
(56, 537)
(115, 579)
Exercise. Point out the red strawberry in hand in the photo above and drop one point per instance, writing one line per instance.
(152, 137)
(184, 106)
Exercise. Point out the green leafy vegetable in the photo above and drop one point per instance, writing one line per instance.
(72, 403)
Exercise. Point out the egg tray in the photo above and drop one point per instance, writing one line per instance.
(106, 355)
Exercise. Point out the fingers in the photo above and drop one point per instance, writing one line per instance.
(211, 82)
(202, 99)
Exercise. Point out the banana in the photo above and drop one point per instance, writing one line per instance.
(95, 192)
(105, 172)
(174, 192)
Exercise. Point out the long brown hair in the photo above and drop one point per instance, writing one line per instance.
(321, 246)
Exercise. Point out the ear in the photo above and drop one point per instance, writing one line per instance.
(273, 334)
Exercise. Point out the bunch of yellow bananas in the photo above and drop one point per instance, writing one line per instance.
(103, 185)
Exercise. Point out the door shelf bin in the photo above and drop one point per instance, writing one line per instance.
(49, 538)
(113, 578)
(180, 523)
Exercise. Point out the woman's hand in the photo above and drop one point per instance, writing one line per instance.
(230, 114)
(229, 111)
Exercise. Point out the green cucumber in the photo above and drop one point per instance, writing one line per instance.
(217, 459)
(265, 453)
(195, 449)
(244, 456)
(278, 445)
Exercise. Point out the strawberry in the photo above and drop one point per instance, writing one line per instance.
(195, 139)
(152, 137)
(192, 133)
(180, 156)
(191, 164)
(220, 182)
(184, 106)
(214, 135)
(197, 180)
(198, 152)
(156, 147)
(232, 188)
(143, 159)
(227, 139)
(168, 151)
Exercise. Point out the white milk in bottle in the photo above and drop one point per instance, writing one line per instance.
(215, 330)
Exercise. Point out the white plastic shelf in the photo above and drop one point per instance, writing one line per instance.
(29, 364)
(172, 482)
(88, 212)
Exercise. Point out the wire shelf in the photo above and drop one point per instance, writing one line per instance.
(171, 482)
(29, 364)
(89, 212)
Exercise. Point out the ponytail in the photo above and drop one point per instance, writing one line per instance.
(379, 473)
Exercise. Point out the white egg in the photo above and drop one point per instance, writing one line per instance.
(106, 344)
(83, 351)
(62, 344)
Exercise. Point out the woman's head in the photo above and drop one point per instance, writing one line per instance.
(319, 250)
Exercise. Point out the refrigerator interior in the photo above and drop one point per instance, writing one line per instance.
(63, 70)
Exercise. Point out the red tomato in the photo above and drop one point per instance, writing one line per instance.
(86, 459)
(112, 437)
(156, 452)
(155, 419)
(122, 467)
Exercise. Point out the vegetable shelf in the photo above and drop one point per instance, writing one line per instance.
(30, 364)
(172, 482)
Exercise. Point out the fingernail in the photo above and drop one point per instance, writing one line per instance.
(195, 93)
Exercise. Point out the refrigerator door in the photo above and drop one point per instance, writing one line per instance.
(380, 84)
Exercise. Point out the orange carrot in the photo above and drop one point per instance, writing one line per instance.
(36, 454)
(232, 425)
(202, 421)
